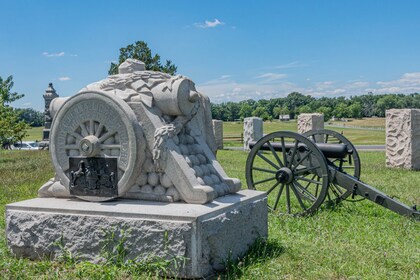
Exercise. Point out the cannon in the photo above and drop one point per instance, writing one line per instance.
(300, 171)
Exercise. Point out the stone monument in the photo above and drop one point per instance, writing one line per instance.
(307, 122)
(253, 130)
(403, 138)
(137, 151)
(49, 96)
(218, 133)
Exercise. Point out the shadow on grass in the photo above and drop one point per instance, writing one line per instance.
(260, 252)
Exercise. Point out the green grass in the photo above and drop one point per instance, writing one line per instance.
(352, 241)
(34, 134)
(356, 136)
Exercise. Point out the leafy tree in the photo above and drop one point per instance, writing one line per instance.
(140, 51)
(326, 111)
(340, 110)
(261, 112)
(246, 111)
(11, 129)
(305, 109)
(355, 110)
(30, 116)
(6, 96)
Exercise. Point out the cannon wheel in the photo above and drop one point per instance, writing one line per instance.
(349, 165)
(291, 169)
(94, 124)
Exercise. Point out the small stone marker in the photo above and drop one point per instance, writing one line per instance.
(403, 138)
(307, 122)
(253, 130)
(218, 133)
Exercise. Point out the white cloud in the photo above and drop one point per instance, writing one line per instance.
(47, 54)
(293, 64)
(209, 24)
(65, 78)
(269, 77)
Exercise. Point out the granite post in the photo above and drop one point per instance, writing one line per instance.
(49, 95)
(218, 133)
(253, 130)
(403, 138)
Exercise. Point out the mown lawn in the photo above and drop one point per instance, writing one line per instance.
(355, 135)
(352, 241)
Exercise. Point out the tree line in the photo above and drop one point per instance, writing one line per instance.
(367, 105)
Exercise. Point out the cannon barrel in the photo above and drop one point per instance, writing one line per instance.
(329, 150)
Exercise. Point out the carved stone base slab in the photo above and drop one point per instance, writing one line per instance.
(205, 234)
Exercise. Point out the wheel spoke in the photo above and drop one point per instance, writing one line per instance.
(106, 136)
(288, 198)
(71, 147)
(298, 196)
(264, 170)
(91, 126)
(267, 160)
(275, 154)
(272, 188)
(293, 154)
(84, 130)
(278, 196)
(99, 130)
(301, 160)
(283, 149)
(111, 146)
(75, 135)
(308, 180)
(301, 171)
(265, 180)
(305, 192)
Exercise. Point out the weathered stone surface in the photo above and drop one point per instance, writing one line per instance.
(153, 123)
(253, 130)
(218, 133)
(403, 138)
(205, 234)
(307, 122)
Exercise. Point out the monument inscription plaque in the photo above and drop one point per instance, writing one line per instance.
(94, 176)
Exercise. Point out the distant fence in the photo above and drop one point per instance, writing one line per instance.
(233, 138)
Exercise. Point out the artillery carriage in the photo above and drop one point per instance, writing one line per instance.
(299, 172)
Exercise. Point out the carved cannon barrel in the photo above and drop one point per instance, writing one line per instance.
(329, 150)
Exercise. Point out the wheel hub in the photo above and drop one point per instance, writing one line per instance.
(90, 146)
(284, 175)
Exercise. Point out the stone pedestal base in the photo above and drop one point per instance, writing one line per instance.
(206, 235)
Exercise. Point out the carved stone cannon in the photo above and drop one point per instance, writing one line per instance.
(299, 172)
(138, 134)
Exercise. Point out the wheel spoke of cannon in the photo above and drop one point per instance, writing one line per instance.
(272, 188)
(301, 171)
(264, 170)
(299, 199)
(326, 138)
(301, 160)
(308, 180)
(71, 147)
(288, 198)
(111, 146)
(267, 160)
(304, 191)
(265, 180)
(283, 149)
(99, 130)
(278, 196)
(335, 190)
(292, 158)
(275, 154)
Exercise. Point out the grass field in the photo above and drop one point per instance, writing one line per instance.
(355, 135)
(34, 134)
(352, 241)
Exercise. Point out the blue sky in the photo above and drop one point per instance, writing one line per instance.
(232, 50)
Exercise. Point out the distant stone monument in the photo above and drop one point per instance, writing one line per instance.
(307, 122)
(253, 130)
(218, 133)
(138, 142)
(403, 138)
(49, 95)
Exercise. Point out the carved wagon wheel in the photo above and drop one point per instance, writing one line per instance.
(291, 169)
(349, 165)
(96, 124)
